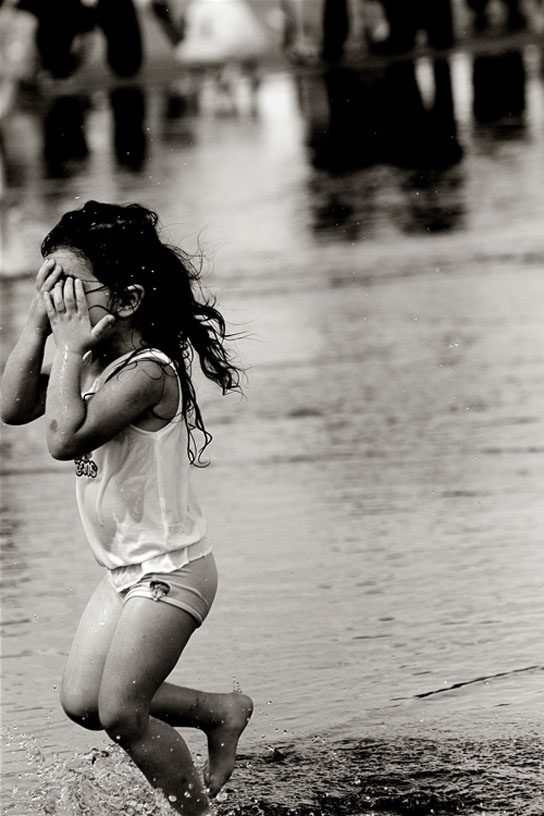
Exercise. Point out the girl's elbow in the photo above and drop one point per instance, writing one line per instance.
(60, 449)
(17, 411)
(8, 418)
(65, 449)
(12, 415)
(61, 454)
(9, 410)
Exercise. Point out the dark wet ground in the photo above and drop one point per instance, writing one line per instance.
(323, 776)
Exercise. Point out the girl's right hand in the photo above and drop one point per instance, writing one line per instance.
(48, 274)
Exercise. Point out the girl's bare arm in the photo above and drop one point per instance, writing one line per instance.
(24, 383)
(76, 426)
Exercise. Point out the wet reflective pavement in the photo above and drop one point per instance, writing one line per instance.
(375, 501)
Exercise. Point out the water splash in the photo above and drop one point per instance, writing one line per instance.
(100, 782)
(399, 776)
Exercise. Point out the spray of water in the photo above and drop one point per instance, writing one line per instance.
(102, 782)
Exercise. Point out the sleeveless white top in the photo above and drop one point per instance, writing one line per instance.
(135, 498)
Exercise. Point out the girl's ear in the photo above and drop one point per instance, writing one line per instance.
(135, 297)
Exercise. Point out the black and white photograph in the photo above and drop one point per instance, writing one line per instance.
(272, 407)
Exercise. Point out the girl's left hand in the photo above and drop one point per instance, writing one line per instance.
(68, 313)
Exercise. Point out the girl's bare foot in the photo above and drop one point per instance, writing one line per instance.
(223, 740)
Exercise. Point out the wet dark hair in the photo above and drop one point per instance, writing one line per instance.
(122, 244)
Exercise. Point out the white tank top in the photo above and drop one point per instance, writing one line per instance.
(135, 497)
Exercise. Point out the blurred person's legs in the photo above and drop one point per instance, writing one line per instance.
(62, 25)
(119, 22)
(335, 29)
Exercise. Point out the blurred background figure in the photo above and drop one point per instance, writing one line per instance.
(376, 112)
(224, 40)
(62, 42)
(17, 54)
(390, 26)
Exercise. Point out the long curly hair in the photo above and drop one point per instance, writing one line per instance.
(122, 244)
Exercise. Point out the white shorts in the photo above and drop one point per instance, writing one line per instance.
(191, 587)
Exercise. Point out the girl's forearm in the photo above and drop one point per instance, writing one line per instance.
(22, 397)
(65, 408)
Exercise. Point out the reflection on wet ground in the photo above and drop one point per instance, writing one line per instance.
(375, 501)
(336, 153)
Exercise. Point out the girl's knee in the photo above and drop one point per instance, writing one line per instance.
(123, 721)
(80, 707)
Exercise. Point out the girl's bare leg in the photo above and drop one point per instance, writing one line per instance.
(85, 664)
(222, 717)
(145, 647)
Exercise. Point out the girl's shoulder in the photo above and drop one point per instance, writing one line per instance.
(155, 372)
(146, 377)
(153, 361)
(139, 358)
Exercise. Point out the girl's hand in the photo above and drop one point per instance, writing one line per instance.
(48, 275)
(68, 313)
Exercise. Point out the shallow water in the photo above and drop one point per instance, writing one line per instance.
(374, 501)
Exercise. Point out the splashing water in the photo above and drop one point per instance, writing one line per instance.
(102, 781)
(399, 776)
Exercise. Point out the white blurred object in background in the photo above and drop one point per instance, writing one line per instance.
(221, 31)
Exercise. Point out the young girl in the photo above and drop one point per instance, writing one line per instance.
(119, 400)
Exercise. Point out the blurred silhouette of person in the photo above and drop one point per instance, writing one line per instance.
(361, 117)
(381, 115)
(119, 22)
(60, 32)
(344, 112)
(417, 135)
(180, 96)
(60, 39)
(62, 24)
